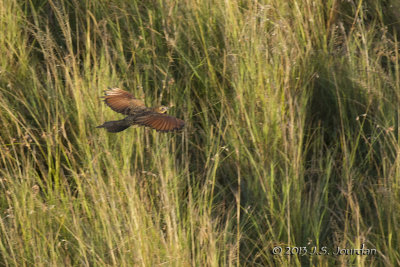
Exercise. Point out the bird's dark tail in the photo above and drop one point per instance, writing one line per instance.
(115, 126)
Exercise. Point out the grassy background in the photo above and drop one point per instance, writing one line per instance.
(291, 137)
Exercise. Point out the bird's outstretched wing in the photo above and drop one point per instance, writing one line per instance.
(160, 122)
(122, 101)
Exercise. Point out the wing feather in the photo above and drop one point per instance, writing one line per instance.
(122, 101)
(160, 122)
(156, 122)
(164, 125)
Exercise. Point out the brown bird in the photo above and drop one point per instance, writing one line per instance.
(124, 102)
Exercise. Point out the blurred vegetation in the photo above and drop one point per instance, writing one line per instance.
(291, 137)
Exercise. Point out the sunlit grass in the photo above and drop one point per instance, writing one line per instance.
(291, 137)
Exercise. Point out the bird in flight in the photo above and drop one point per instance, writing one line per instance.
(137, 113)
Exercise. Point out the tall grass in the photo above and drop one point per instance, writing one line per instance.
(291, 136)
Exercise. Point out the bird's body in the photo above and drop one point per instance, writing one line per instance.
(138, 114)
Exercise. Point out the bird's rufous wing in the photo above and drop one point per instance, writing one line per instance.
(160, 122)
(122, 101)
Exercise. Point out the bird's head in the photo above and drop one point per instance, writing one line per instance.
(161, 109)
